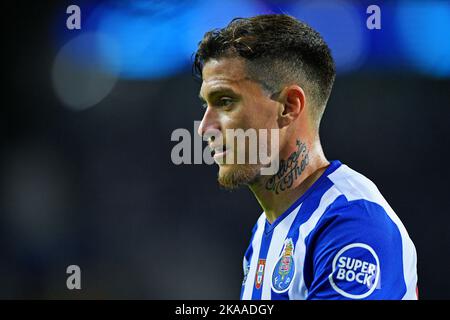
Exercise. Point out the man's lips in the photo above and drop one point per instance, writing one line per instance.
(219, 151)
(220, 154)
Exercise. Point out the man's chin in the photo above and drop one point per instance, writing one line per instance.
(233, 176)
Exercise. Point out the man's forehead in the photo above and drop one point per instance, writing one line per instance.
(225, 72)
(229, 68)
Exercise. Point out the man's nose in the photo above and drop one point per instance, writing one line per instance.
(209, 122)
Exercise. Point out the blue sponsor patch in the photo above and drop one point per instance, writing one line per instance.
(356, 271)
(284, 271)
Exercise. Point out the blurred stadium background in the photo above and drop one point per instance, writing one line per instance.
(86, 175)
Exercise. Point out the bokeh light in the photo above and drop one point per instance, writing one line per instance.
(341, 25)
(81, 78)
(424, 34)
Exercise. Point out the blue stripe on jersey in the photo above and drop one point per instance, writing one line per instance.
(265, 244)
(309, 205)
(308, 268)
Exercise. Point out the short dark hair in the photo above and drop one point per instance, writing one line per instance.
(278, 50)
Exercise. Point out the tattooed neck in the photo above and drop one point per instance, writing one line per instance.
(290, 170)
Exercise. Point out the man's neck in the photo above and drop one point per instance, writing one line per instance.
(303, 165)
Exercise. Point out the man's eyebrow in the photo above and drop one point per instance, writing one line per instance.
(217, 91)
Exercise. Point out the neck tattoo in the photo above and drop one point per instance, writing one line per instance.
(289, 170)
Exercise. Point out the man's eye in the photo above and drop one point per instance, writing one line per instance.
(225, 102)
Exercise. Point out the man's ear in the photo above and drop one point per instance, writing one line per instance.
(292, 100)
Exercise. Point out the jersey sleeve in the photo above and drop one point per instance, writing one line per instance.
(355, 252)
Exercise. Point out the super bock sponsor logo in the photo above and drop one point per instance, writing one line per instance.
(284, 270)
(356, 271)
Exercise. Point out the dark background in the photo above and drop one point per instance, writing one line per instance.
(97, 187)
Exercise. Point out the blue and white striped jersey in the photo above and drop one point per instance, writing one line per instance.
(340, 240)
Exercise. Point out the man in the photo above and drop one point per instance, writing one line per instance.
(326, 231)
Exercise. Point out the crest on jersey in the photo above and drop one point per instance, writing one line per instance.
(260, 273)
(284, 271)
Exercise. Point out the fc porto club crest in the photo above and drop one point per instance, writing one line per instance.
(284, 270)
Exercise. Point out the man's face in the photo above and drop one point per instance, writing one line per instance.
(234, 101)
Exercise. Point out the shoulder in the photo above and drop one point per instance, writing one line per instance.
(356, 221)
(355, 186)
(356, 249)
(359, 206)
(359, 214)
